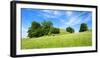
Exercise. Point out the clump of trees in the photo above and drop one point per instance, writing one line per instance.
(83, 27)
(46, 28)
(70, 29)
(41, 29)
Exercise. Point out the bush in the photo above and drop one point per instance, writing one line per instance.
(55, 30)
(83, 27)
(69, 29)
(36, 33)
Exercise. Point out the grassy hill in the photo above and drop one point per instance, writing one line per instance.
(63, 31)
(64, 39)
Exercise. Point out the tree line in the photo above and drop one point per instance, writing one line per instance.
(41, 29)
(47, 28)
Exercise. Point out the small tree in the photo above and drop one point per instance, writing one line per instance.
(69, 29)
(83, 27)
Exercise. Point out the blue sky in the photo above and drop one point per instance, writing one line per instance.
(59, 18)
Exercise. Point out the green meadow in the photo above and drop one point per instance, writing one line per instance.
(64, 39)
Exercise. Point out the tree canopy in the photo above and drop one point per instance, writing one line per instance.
(83, 27)
(43, 28)
(46, 28)
(70, 29)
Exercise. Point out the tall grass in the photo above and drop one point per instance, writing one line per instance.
(58, 41)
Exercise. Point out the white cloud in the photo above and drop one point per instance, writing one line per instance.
(74, 20)
(54, 12)
(46, 11)
(71, 21)
(24, 32)
(87, 19)
(69, 13)
(51, 13)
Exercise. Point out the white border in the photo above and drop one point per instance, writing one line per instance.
(51, 50)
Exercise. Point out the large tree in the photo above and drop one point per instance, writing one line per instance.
(46, 26)
(70, 30)
(35, 25)
(34, 31)
(83, 27)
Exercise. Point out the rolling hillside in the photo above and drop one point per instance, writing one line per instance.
(64, 39)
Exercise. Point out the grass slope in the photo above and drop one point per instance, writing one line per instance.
(58, 41)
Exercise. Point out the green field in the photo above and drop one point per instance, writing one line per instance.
(64, 39)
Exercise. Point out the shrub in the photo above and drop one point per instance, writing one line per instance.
(69, 29)
(55, 30)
